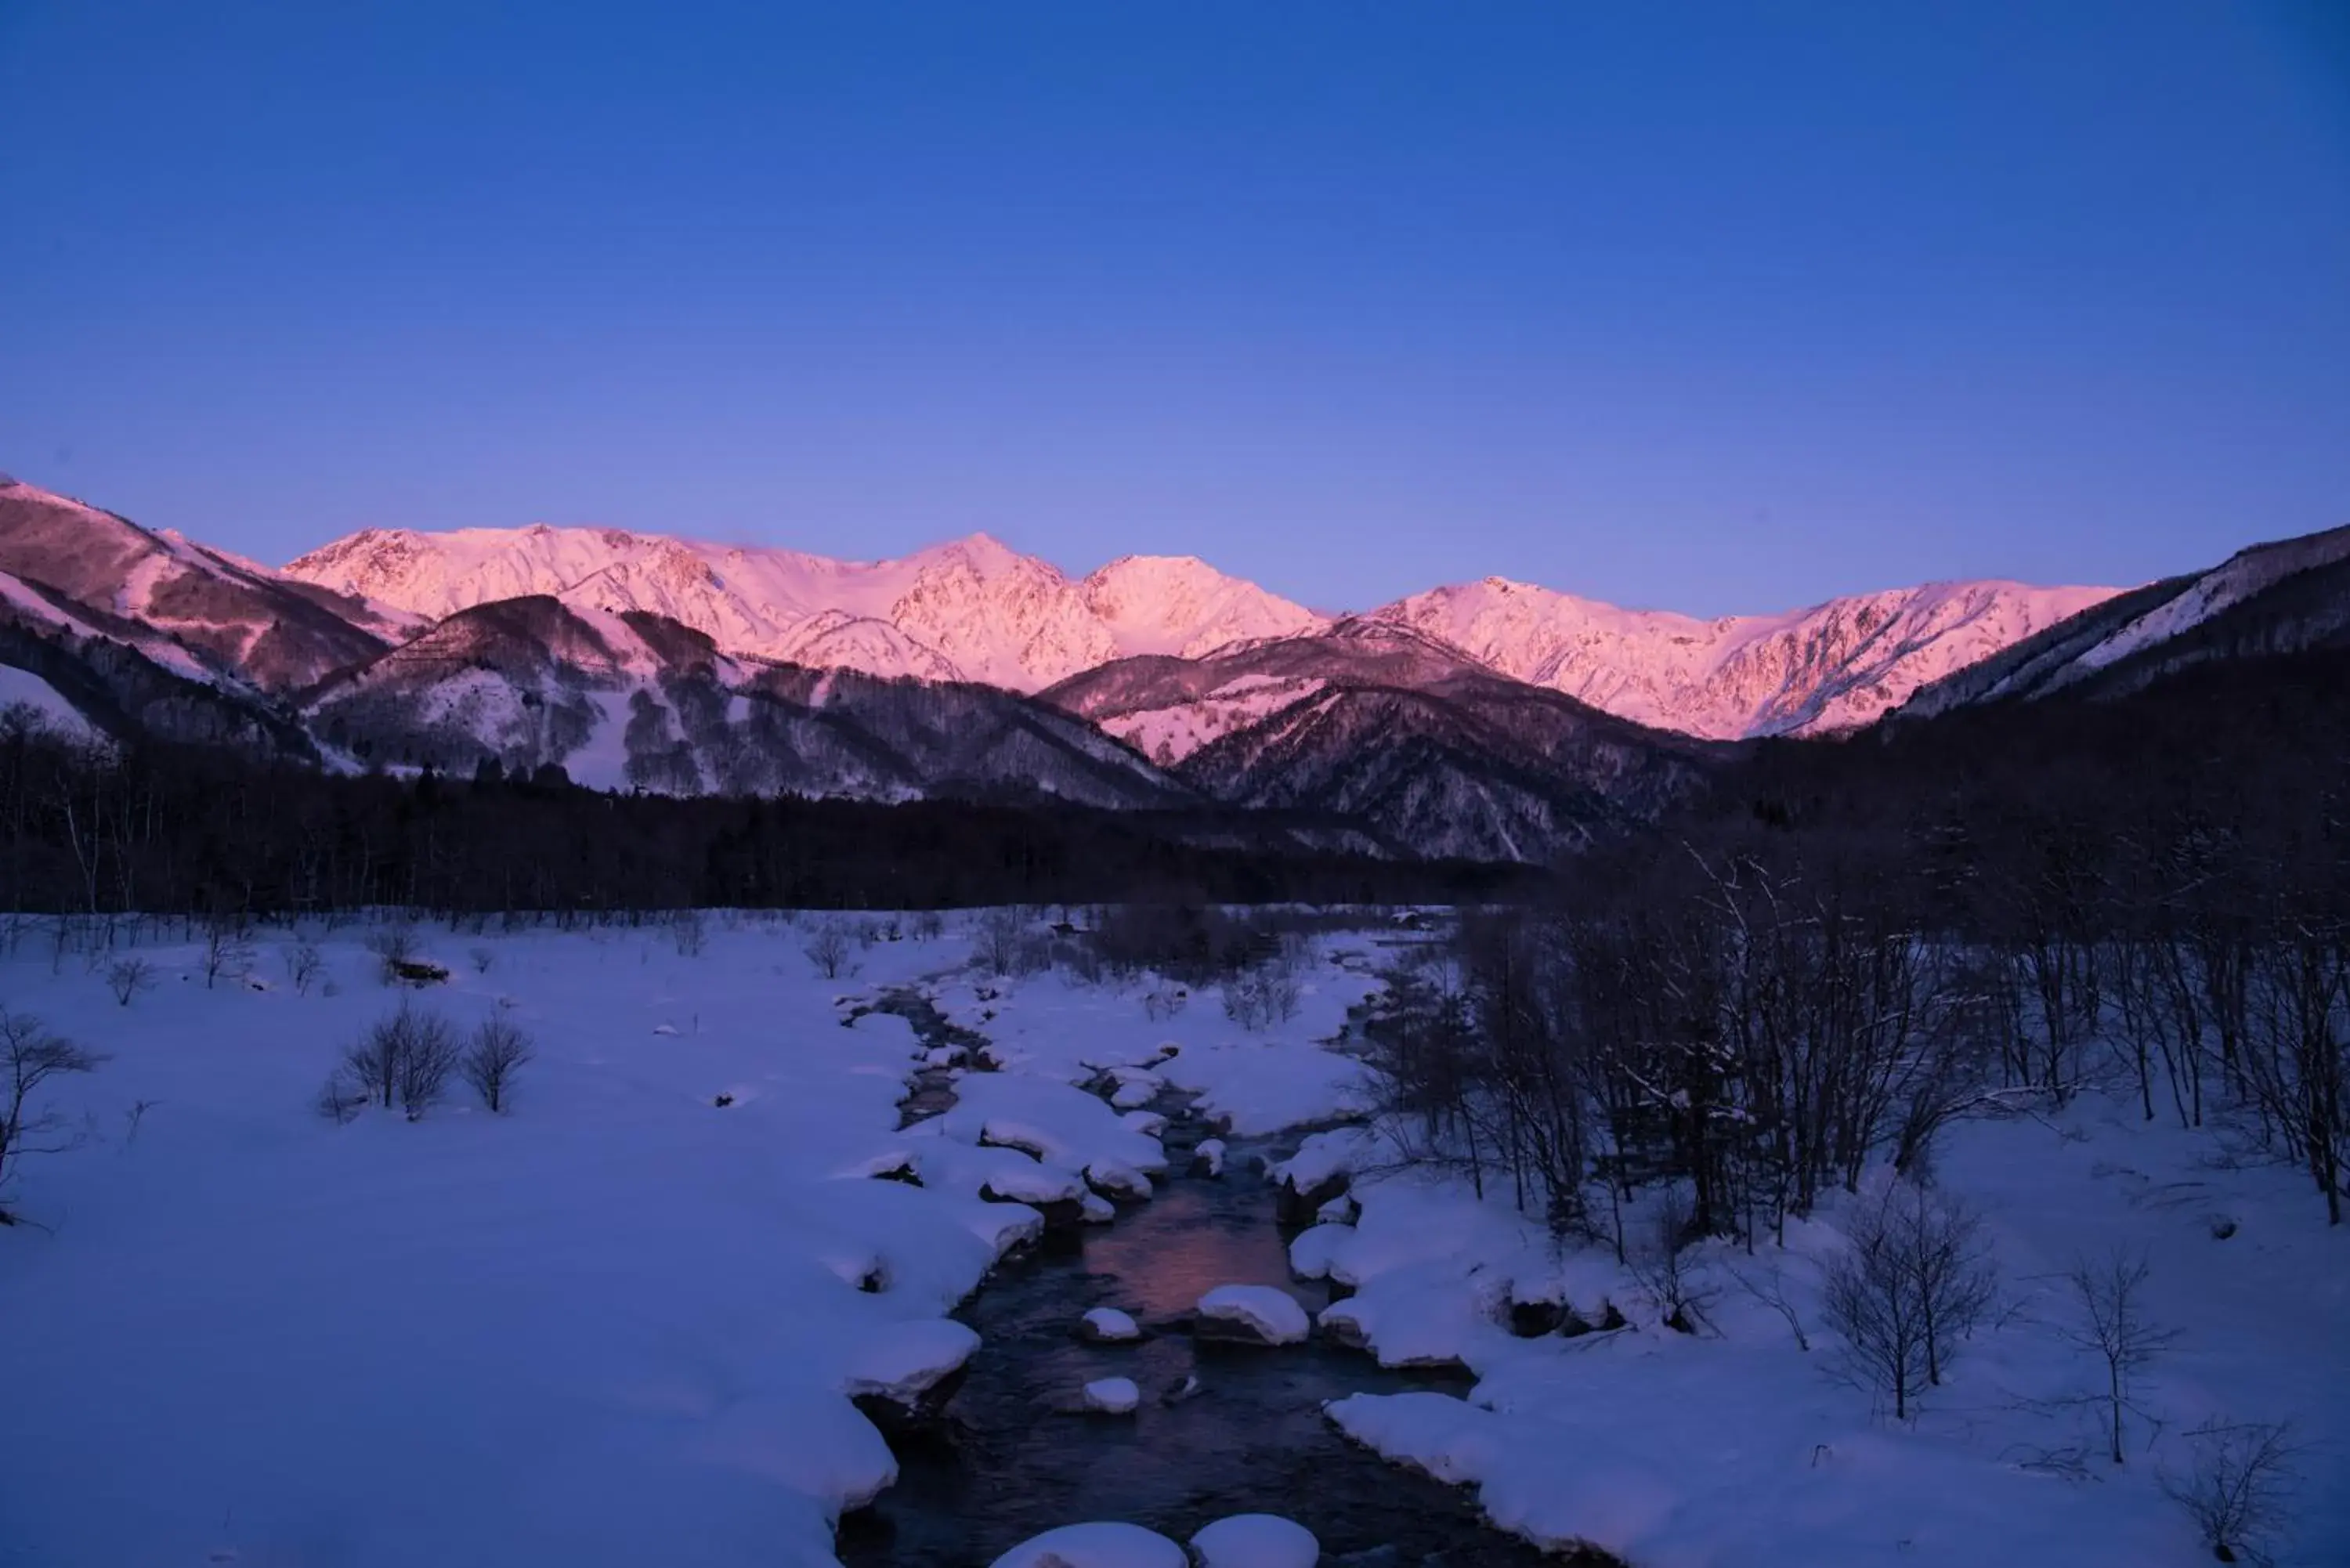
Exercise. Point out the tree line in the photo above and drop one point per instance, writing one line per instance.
(1842, 946)
(158, 827)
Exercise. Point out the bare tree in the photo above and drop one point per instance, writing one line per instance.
(996, 940)
(1917, 1281)
(689, 931)
(128, 977)
(482, 958)
(2111, 1292)
(1872, 1302)
(1950, 1269)
(432, 1056)
(929, 925)
(227, 952)
(2238, 1487)
(29, 1057)
(303, 963)
(497, 1051)
(828, 947)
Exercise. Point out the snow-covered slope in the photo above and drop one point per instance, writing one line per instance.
(1835, 666)
(26, 700)
(1372, 720)
(233, 617)
(2281, 597)
(970, 611)
(630, 700)
(1181, 605)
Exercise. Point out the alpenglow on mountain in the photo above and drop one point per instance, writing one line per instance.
(978, 611)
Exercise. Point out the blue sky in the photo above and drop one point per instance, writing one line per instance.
(1712, 307)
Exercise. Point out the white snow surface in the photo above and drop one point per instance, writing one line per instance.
(1257, 1540)
(1273, 1312)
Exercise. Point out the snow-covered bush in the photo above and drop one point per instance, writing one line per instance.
(1664, 1270)
(828, 947)
(2237, 1487)
(303, 964)
(407, 1058)
(1264, 996)
(128, 977)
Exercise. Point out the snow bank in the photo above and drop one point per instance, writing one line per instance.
(902, 1362)
(1257, 1086)
(613, 1324)
(1735, 1449)
(1056, 1122)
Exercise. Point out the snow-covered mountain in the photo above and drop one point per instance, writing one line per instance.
(191, 607)
(969, 610)
(1489, 719)
(975, 610)
(2289, 596)
(629, 699)
(1835, 666)
(1372, 720)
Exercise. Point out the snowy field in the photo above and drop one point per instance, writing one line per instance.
(622, 1323)
(1733, 1446)
(619, 1323)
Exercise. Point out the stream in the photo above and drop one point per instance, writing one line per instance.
(1013, 1457)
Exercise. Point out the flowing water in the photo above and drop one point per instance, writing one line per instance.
(1015, 1458)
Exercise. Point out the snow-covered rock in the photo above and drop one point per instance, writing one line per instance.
(1108, 1326)
(1207, 1158)
(1257, 1540)
(1251, 1315)
(1100, 1545)
(1113, 1396)
(1120, 1183)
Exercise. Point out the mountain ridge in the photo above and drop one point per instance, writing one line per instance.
(975, 609)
